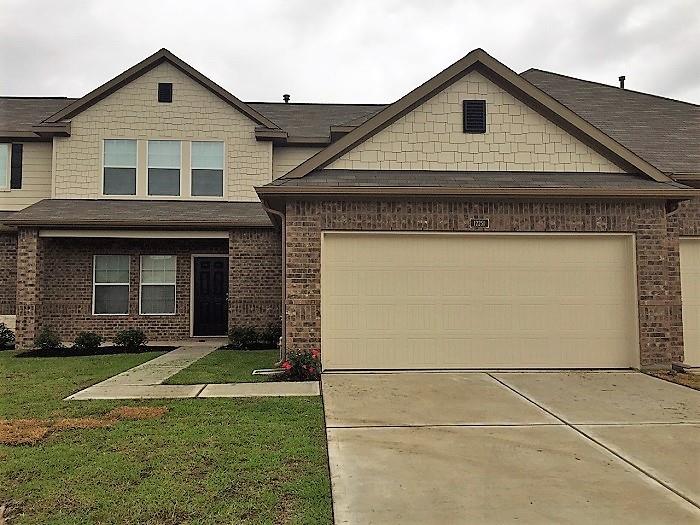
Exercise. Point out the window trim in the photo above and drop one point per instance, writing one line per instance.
(141, 284)
(179, 168)
(223, 172)
(8, 166)
(136, 173)
(94, 284)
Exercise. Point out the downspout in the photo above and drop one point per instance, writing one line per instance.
(283, 345)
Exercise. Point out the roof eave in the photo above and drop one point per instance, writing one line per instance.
(501, 192)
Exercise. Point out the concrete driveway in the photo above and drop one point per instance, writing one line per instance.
(550, 447)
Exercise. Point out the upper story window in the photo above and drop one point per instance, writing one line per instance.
(119, 167)
(208, 169)
(4, 166)
(164, 167)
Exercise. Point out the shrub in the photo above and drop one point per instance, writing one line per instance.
(7, 337)
(47, 339)
(87, 342)
(302, 366)
(243, 337)
(270, 336)
(130, 340)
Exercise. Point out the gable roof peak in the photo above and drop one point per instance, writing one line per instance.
(147, 64)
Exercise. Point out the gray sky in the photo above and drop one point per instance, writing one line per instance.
(344, 50)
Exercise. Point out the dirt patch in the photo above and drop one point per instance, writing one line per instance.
(680, 378)
(17, 432)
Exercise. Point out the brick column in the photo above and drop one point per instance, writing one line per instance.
(28, 286)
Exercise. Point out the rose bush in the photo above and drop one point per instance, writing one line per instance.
(302, 366)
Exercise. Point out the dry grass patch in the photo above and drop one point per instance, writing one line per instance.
(17, 432)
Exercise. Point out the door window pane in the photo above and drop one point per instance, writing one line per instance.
(119, 167)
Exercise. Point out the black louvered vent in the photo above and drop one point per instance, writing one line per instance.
(475, 116)
(165, 92)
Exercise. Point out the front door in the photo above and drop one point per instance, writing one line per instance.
(210, 296)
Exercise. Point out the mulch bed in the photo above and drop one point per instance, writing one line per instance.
(689, 380)
(17, 432)
(103, 350)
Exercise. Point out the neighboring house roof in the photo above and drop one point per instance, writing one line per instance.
(18, 115)
(140, 214)
(497, 72)
(143, 67)
(312, 122)
(484, 183)
(665, 132)
(4, 215)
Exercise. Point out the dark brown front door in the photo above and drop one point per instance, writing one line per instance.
(210, 296)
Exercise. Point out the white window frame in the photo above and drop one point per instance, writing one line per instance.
(8, 166)
(224, 174)
(94, 284)
(180, 168)
(141, 284)
(102, 172)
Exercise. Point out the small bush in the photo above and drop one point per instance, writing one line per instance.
(270, 336)
(87, 342)
(243, 337)
(47, 339)
(302, 366)
(7, 337)
(130, 340)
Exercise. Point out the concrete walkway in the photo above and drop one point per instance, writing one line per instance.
(145, 381)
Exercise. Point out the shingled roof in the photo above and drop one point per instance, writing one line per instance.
(19, 114)
(665, 132)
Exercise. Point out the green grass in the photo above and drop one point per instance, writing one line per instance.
(226, 366)
(206, 461)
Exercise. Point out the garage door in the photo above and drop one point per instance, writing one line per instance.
(690, 289)
(450, 301)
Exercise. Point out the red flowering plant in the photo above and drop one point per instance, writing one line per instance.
(302, 366)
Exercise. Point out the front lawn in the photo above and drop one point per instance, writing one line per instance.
(227, 366)
(193, 461)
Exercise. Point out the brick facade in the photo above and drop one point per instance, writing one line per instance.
(660, 332)
(8, 273)
(61, 296)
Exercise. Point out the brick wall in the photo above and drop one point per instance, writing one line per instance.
(255, 282)
(8, 273)
(660, 336)
(431, 137)
(62, 295)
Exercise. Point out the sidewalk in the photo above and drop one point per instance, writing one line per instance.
(145, 382)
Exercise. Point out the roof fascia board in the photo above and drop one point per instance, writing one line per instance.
(502, 192)
(425, 91)
(143, 67)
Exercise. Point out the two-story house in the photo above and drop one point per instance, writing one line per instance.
(485, 219)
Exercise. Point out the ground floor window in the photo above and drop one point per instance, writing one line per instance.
(158, 284)
(111, 284)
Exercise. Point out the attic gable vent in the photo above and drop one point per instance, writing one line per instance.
(165, 92)
(475, 116)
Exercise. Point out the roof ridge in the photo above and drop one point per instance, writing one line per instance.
(318, 103)
(602, 84)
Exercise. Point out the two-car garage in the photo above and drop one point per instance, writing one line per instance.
(459, 301)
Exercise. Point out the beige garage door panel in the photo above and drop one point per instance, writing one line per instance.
(407, 301)
(690, 290)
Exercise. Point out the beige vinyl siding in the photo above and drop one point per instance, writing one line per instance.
(36, 177)
(690, 290)
(133, 112)
(431, 137)
(285, 159)
(452, 301)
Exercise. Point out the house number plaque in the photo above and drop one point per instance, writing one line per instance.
(479, 223)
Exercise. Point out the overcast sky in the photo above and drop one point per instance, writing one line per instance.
(347, 50)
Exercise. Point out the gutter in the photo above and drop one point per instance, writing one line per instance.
(283, 345)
